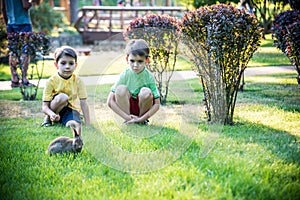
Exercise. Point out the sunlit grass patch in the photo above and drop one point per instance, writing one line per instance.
(268, 56)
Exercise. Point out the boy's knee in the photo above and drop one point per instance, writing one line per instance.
(145, 93)
(61, 99)
(121, 91)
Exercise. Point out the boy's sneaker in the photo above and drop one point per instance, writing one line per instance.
(46, 124)
(146, 122)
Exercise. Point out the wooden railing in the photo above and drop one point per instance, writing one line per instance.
(104, 22)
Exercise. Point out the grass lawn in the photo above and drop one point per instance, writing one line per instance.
(256, 158)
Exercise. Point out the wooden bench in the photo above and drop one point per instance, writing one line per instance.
(85, 51)
(102, 22)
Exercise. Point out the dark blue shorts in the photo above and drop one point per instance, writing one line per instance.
(13, 28)
(67, 114)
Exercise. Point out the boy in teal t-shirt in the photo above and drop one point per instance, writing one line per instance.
(135, 97)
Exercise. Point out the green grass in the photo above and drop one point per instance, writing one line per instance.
(256, 158)
(269, 56)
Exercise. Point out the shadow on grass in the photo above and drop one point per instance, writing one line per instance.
(251, 161)
(136, 148)
(280, 143)
(284, 95)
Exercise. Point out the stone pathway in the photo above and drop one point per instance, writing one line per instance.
(178, 75)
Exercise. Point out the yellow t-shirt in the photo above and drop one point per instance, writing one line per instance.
(73, 87)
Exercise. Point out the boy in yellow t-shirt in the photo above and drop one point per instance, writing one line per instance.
(65, 95)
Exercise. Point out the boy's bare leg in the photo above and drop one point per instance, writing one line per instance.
(145, 100)
(13, 62)
(122, 98)
(57, 104)
(25, 59)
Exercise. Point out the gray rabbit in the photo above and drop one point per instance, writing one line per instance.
(66, 145)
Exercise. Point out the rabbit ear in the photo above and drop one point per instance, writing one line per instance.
(75, 134)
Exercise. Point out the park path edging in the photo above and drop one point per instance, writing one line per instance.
(178, 75)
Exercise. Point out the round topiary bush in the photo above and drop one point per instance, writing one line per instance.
(220, 41)
(286, 34)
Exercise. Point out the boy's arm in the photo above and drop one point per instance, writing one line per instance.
(46, 109)
(111, 102)
(26, 4)
(86, 111)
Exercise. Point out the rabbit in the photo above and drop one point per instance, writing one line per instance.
(65, 144)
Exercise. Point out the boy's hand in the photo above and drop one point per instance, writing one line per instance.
(134, 119)
(54, 118)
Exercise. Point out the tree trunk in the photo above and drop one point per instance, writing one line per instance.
(73, 11)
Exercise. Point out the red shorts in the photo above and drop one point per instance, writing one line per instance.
(134, 106)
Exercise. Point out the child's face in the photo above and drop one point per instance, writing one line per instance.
(66, 65)
(137, 63)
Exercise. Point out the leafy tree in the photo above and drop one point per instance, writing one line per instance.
(3, 39)
(199, 3)
(220, 40)
(73, 11)
(266, 10)
(286, 34)
(295, 4)
(45, 19)
(162, 33)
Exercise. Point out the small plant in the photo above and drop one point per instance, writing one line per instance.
(286, 31)
(162, 33)
(220, 41)
(34, 44)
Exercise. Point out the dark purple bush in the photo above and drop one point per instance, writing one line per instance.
(222, 40)
(286, 34)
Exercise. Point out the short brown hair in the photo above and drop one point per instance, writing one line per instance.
(65, 50)
(137, 47)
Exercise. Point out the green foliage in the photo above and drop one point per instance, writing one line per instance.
(3, 39)
(161, 32)
(221, 40)
(199, 3)
(44, 18)
(295, 4)
(266, 10)
(286, 31)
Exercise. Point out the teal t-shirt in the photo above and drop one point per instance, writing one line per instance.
(16, 14)
(135, 82)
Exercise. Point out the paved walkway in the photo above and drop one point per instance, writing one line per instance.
(178, 75)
